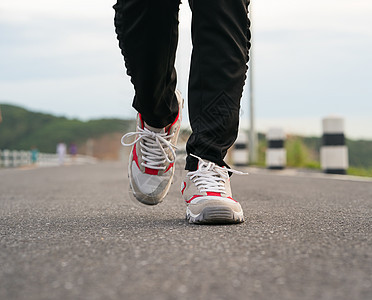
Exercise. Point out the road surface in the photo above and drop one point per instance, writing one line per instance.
(74, 232)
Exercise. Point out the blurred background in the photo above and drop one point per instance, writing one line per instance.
(62, 77)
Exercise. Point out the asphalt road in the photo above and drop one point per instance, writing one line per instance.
(74, 232)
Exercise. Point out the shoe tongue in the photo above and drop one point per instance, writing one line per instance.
(154, 129)
(206, 161)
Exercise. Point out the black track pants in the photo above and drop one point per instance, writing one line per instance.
(147, 31)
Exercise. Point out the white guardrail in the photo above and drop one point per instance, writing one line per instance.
(16, 158)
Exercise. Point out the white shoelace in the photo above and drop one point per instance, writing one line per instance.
(153, 145)
(210, 177)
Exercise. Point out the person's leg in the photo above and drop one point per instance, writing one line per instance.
(220, 33)
(148, 34)
(221, 41)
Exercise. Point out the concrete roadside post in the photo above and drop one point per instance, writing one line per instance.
(276, 155)
(334, 152)
(240, 150)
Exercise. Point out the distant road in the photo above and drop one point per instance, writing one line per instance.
(74, 232)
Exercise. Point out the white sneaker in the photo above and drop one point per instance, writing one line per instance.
(208, 197)
(151, 161)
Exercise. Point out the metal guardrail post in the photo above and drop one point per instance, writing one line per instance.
(6, 155)
(15, 158)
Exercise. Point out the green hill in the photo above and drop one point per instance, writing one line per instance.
(360, 151)
(21, 129)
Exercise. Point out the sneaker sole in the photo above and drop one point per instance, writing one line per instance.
(146, 199)
(215, 215)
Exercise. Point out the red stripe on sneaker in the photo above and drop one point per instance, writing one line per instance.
(151, 171)
(135, 157)
(232, 199)
(213, 194)
(208, 194)
(170, 166)
(184, 186)
(141, 120)
(192, 198)
(174, 122)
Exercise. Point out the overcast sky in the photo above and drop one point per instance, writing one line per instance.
(311, 59)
